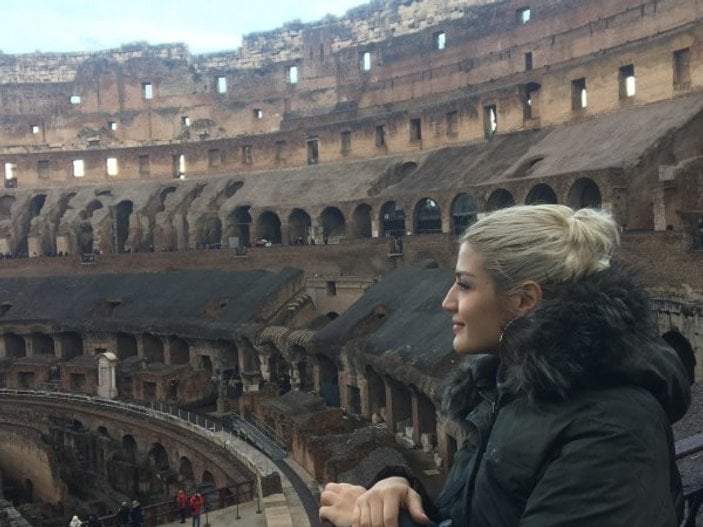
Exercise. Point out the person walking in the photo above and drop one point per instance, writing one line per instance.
(196, 504)
(182, 503)
(136, 515)
(123, 514)
(566, 397)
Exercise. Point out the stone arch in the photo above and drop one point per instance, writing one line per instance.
(157, 457)
(427, 217)
(240, 220)
(208, 232)
(90, 209)
(541, 194)
(499, 199)
(185, 472)
(71, 344)
(464, 213)
(684, 350)
(584, 193)
(208, 480)
(129, 448)
(361, 222)
(6, 203)
(392, 220)
(36, 204)
(299, 226)
(268, 227)
(179, 351)
(126, 346)
(15, 346)
(102, 431)
(333, 223)
(153, 348)
(329, 381)
(42, 344)
(123, 212)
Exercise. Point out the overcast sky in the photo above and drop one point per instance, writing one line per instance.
(204, 25)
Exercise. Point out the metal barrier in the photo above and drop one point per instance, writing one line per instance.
(692, 487)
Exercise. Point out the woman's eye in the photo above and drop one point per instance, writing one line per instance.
(462, 285)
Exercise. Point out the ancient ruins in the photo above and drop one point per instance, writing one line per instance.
(270, 230)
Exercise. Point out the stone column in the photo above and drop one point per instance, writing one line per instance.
(107, 382)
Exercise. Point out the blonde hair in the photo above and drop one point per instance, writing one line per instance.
(550, 244)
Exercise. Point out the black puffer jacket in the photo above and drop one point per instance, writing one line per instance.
(579, 432)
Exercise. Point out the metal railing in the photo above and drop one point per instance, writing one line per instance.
(693, 488)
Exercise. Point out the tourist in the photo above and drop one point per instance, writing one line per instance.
(75, 522)
(123, 514)
(136, 516)
(182, 502)
(567, 399)
(196, 503)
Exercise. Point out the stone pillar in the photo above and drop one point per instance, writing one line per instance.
(344, 391)
(375, 228)
(34, 246)
(61, 245)
(107, 382)
(397, 407)
(415, 412)
(295, 377)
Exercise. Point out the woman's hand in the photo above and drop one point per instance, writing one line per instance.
(380, 505)
(337, 503)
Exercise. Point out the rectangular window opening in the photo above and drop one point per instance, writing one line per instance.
(490, 120)
(10, 175)
(185, 121)
(144, 165)
(380, 135)
(366, 61)
(579, 95)
(258, 113)
(346, 140)
(43, 169)
(439, 40)
(214, 157)
(78, 168)
(280, 150)
(528, 61)
(246, 155)
(179, 166)
(111, 165)
(292, 74)
(452, 123)
(682, 69)
(626, 79)
(529, 109)
(313, 152)
(112, 125)
(75, 99)
(523, 15)
(331, 288)
(221, 84)
(415, 129)
(34, 129)
(147, 90)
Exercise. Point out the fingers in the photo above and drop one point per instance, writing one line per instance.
(414, 506)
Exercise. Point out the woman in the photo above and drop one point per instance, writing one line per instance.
(568, 408)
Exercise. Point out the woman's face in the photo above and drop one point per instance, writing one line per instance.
(478, 311)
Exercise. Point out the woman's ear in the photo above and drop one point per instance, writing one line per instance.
(526, 298)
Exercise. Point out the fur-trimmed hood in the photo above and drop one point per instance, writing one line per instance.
(594, 332)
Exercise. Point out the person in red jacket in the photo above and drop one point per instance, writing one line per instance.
(182, 501)
(196, 503)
